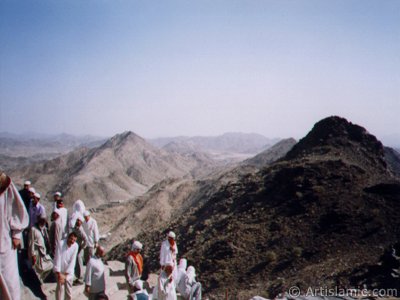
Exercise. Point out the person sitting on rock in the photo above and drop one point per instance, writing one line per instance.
(188, 287)
(181, 271)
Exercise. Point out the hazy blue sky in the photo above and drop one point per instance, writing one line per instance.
(166, 68)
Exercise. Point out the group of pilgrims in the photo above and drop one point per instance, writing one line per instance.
(173, 279)
(39, 252)
(60, 250)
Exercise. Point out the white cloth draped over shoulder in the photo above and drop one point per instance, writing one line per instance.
(168, 254)
(14, 219)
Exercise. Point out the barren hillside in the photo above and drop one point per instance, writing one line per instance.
(122, 168)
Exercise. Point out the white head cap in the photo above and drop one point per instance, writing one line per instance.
(43, 216)
(171, 234)
(37, 195)
(138, 284)
(80, 217)
(136, 245)
(57, 211)
(86, 213)
(191, 270)
(32, 190)
(57, 194)
(27, 182)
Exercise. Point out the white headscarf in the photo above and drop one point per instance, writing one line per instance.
(191, 274)
(79, 206)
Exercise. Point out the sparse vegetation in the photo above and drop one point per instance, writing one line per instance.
(271, 257)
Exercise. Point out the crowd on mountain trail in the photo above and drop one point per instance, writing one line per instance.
(36, 252)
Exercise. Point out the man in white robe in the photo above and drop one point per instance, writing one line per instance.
(92, 234)
(95, 283)
(63, 217)
(82, 242)
(56, 197)
(133, 265)
(39, 245)
(64, 265)
(169, 250)
(55, 232)
(35, 210)
(13, 219)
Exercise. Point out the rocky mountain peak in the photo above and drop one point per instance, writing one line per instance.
(127, 137)
(336, 137)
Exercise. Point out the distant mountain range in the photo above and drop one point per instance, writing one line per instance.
(44, 146)
(250, 143)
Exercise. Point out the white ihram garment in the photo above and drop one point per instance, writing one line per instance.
(13, 219)
(166, 288)
(92, 232)
(64, 262)
(168, 256)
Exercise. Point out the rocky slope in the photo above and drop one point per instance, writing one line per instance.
(172, 198)
(272, 154)
(392, 157)
(329, 206)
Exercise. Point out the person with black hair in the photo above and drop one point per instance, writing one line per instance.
(64, 265)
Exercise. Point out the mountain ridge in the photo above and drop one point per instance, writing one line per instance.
(303, 221)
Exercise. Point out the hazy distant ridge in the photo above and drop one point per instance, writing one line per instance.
(231, 142)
